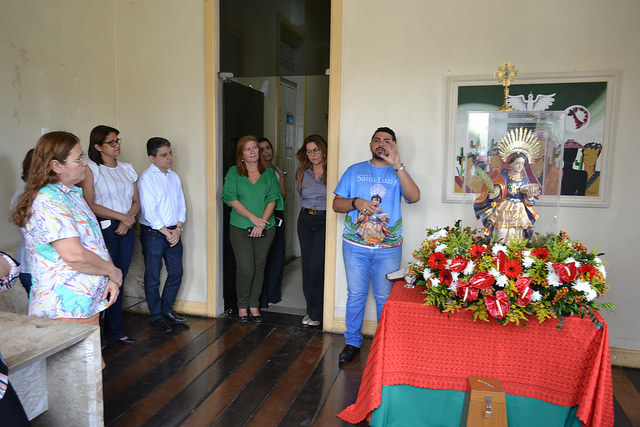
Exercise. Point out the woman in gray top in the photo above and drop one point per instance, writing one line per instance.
(312, 186)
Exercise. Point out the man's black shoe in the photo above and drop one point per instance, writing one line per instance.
(161, 326)
(173, 317)
(126, 340)
(348, 353)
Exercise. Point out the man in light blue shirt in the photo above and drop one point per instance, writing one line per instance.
(370, 193)
(162, 215)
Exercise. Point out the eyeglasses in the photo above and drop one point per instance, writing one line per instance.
(114, 142)
(165, 154)
(81, 159)
(313, 151)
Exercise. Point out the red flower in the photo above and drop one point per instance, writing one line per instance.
(466, 292)
(458, 264)
(588, 270)
(445, 277)
(523, 286)
(477, 251)
(482, 280)
(512, 268)
(540, 253)
(567, 272)
(500, 260)
(498, 305)
(437, 261)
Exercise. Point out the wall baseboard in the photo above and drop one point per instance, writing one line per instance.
(191, 307)
(624, 357)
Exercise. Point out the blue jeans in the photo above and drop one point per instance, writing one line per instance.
(155, 248)
(121, 251)
(363, 266)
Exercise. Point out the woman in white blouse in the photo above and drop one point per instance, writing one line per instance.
(112, 194)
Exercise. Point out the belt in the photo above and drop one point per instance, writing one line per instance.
(313, 211)
(172, 227)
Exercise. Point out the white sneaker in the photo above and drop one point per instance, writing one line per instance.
(313, 323)
(306, 319)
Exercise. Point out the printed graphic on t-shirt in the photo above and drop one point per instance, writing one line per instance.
(374, 228)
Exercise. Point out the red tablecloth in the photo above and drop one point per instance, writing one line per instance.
(419, 346)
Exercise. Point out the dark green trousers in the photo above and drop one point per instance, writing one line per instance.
(251, 258)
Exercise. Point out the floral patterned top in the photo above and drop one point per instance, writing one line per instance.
(60, 212)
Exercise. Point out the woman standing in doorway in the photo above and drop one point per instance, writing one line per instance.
(312, 186)
(271, 290)
(252, 191)
(112, 194)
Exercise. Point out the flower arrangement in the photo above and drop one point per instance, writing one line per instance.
(549, 276)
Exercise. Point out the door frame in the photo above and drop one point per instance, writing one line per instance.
(214, 179)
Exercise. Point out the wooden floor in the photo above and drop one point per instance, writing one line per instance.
(221, 372)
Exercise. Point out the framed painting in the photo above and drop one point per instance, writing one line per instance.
(582, 165)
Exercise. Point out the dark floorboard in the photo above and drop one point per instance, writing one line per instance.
(221, 372)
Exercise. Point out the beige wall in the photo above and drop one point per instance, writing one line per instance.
(139, 65)
(396, 58)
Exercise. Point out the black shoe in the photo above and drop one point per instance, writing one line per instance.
(348, 353)
(126, 340)
(244, 319)
(161, 326)
(257, 319)
(173, 317)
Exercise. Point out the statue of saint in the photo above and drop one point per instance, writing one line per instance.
(506, 204)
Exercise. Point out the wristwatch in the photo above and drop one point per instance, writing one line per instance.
(181, 228)
(353, 203)
(401, 168)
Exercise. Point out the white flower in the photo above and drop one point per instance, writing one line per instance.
(440, 234)
(469, 269)
(497, 248)
(427, 273)
(572, 260)
(528, 261)
(600, 268)
(536, 296)
(552, 277)
(435, 282)
(526, 253)
(586, 289)
(591, 294)
(453, 286)
(454, 276)
(441, 247)
(502, 280)
(494, 272)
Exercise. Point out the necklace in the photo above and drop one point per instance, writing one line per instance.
(515, 179)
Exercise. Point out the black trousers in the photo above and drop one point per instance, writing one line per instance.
(311, 234)
(273, 271)
(11, 410)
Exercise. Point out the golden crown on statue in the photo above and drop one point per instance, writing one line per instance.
(520, 140)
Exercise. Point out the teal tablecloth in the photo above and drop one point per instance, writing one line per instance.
(408, 406)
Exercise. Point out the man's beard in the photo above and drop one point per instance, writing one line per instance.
(376, 156)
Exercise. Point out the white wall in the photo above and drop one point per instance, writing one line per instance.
(136, 65)
(161, 80)
(396, 58)
(56, 73)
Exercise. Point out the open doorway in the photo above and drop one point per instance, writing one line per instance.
(281, 50)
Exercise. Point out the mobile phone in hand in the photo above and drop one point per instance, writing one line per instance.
(250, 229)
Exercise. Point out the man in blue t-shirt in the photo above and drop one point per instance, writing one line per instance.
(370, 194)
